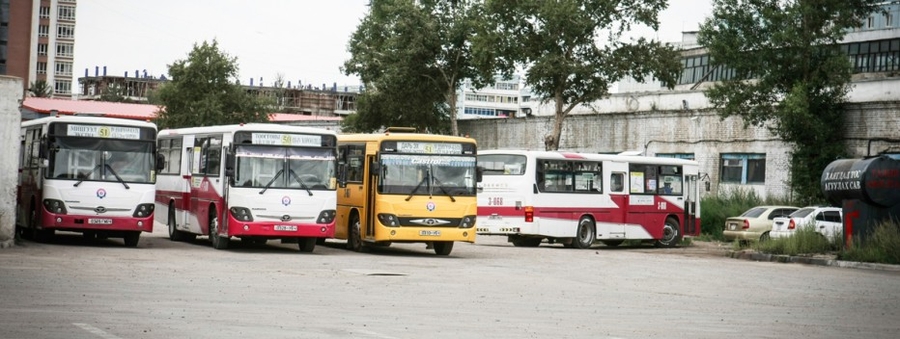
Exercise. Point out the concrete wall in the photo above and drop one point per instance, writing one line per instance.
(10, 120)
(669, 128)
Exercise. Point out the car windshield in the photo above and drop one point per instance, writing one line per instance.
(802, 213)
(284, 167)
(754, 212)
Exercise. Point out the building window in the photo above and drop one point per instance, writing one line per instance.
(888, 20)
(65, 50)
(66, 13)
(63, 87)
(41, 67)
(870, 22)
(65, 31)
(743, 168)
(42, 49)
(45, 13)
(688, 156)
(43, 31)
(63, 68)
(480, 111)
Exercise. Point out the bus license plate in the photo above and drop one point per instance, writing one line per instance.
(291, 228)
(99, 221)
(430, 233)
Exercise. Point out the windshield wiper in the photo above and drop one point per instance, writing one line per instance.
(271, 181)
(110, 171)
(297, 177)
(424, 180)
(441, 186)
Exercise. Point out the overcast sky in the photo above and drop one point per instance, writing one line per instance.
(301, 40)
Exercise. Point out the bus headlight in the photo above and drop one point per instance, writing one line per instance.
(55, 206)
(144, 210)
(241, 213)
(467, 222)
(325, 217)
(389, 220)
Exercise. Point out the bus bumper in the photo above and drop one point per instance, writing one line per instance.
(78, 223)
(421, 234)
(279, 230)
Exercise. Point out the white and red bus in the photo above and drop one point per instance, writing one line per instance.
(70, 178)
(577, 198)
(255, 182)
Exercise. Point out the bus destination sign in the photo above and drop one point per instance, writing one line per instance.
(116, 132)
(429, 147)
(287, 139)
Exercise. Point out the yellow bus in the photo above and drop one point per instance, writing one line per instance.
(406, 187)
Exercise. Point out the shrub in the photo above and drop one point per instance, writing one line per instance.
(805, 240)
(881, 246)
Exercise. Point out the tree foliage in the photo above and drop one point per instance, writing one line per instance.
(40, 89)
(412, 56)
(573, 50)
(800, 78)
(204, 91)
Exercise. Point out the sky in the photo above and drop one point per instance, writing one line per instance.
(299, 40)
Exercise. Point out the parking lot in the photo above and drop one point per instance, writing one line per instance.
(72, 288)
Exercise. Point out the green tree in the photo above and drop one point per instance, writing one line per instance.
(204, 91)
(573, 50)
(413, 57)
(113, 93)
(40, 89)
(800, 77)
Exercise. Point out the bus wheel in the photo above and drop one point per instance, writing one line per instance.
(307, 244)
(671, 234)
(443, 247)
(174, 234)
(218, 242)
(585, 236)
(520, 241)
(132, 238)
(612, 243)
(354, 239)
(320, 241)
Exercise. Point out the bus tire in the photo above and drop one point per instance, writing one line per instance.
(320, 241)
(174, 234)
(218, 242)
(354, 236)
(132, 238)
(443, 247)
(586, 233)
(307, 244)
(671, 234)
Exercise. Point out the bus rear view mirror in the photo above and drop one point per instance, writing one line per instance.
(375, 168)
(479, 172)
(160, 162)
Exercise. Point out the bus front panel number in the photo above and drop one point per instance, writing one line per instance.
(495, 201)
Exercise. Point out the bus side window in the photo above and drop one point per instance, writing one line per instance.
(617, 181)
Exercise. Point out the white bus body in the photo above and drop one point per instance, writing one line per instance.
(67, 181)
(252, 181)
(577, 198)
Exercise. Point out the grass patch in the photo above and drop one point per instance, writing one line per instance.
(804, 241)
(881, 246)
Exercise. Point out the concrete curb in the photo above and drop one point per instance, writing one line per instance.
(755, 256)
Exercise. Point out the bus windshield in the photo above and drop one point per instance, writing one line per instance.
(284, 167)
(408, 174)
(94, 159)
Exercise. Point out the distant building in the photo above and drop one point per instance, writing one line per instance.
(37, 42)
(500, 100)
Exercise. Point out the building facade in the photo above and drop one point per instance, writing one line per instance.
(37, 42)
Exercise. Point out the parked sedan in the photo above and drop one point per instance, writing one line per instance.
(825, 220)
(755, 223)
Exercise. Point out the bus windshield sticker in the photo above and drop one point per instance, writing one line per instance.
(287, 139)
(429, 148)
(117, 132)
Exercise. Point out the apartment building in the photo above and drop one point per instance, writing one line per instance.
(37, 43)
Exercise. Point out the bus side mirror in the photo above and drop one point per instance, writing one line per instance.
(479, 172)
(160, 162)
(342, 175)
(229, 165)
(375, 169)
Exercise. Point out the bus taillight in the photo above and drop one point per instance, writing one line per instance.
(529, 213)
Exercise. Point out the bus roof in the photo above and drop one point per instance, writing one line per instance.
(89, 120)
(262, 127)
(593, 156)
(402, 136)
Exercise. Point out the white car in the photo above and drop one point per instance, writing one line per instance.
(826, 220)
